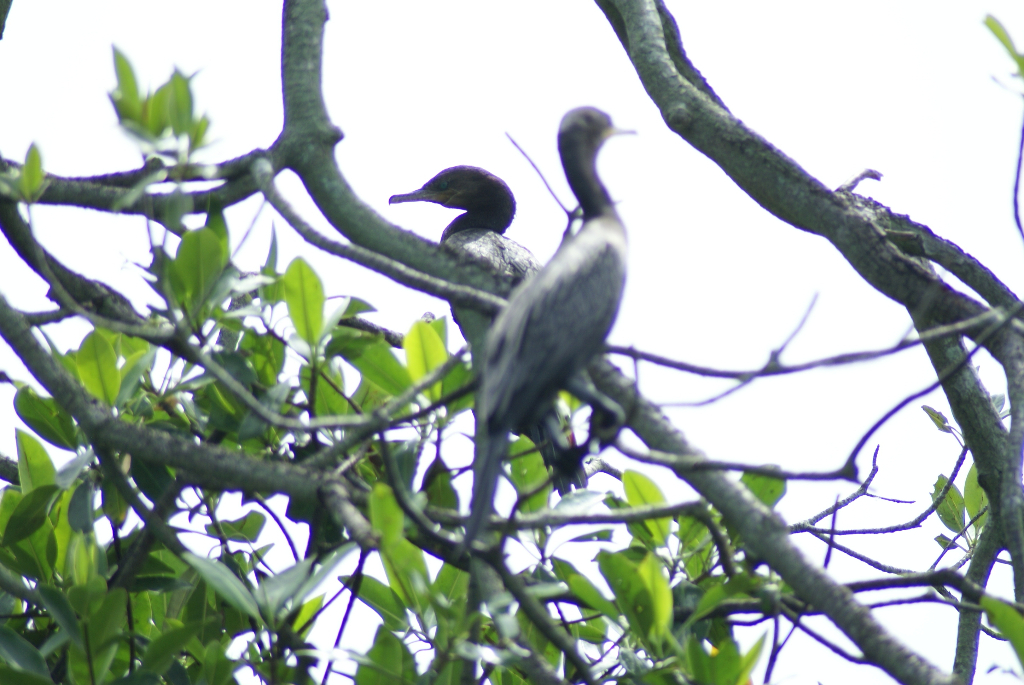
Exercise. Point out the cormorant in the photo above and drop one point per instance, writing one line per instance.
(555, 322)
(478, 234)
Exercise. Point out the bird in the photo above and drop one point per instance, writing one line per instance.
(555, 322)
(479, 235)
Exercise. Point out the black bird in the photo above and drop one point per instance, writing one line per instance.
(555, 322)
(478, 234)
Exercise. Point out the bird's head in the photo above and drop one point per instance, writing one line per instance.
(484, 196)
(584, 129)
(580, 136)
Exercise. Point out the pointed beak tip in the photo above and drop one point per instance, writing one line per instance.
(399, 199)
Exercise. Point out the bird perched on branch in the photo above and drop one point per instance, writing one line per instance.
(479, 235)
(556, 321)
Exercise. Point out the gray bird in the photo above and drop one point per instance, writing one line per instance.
(555, 322)
(478, 235)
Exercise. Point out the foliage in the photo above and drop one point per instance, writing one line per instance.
(263, 376)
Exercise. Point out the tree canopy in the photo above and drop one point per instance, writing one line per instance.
(203, 452)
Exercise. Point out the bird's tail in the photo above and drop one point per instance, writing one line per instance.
(491, 450)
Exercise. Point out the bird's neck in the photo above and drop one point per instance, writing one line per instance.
(587, 187)
(495, 218)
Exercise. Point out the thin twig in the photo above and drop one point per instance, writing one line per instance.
(980, 340)
(857, 494)
(911, 524)
(539, 173)
(847, 471)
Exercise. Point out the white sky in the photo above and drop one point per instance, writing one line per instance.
(905, 88)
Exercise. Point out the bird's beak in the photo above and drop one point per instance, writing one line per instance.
(421, 195)
(613, 131)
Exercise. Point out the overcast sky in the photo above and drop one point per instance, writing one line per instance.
(921, 92)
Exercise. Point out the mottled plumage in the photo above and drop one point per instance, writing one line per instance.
(478, 235)
(556, 321)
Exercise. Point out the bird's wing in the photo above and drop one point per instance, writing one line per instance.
(555, 323)
(501, 255)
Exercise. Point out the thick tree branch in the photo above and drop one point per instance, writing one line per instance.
(201, 464)
(766, 536)
(306, 146)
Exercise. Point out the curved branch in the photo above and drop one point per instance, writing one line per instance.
(306, 146)
(198, 463)
(766, 536)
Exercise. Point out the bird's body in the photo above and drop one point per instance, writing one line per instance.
(550, 329)
(477, 235)
(501, 256)
(556, 321)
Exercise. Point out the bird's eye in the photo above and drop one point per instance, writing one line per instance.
(443, 185)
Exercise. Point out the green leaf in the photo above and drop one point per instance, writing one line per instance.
(180, 104)
(216, 223)
(197, 133)
(30, 514)
(45, 417)
(304, 294)
(34, 465)
(383, 600)
(385, 515)
(403, 562)
(529, 472)
(155, 111)
(356, 307)
(104, 629)
(224, 583)
(125, 96)
(951, 509)
(583, 589)
(80, 509)
(937, 418)
(32, 185)
(451, 583)
(97, 367)
(379, 365)
(217, 668)
(765, 488)
(642, 491)
(975, 498)
(406, 570)
(19, 652)
(650, 571)
(631, 593)
(440, 327)
(604, 535)
(437, 483)
(387, 663)
(1006, 619)
(270, 266)
(168, 645)
(10, 676)
(245, 529)
(328, 401)
(716, 594)
(424, 352)
(305, 617)
(1004, 37)
(748, 662)
(197, 267)
(60, 610)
